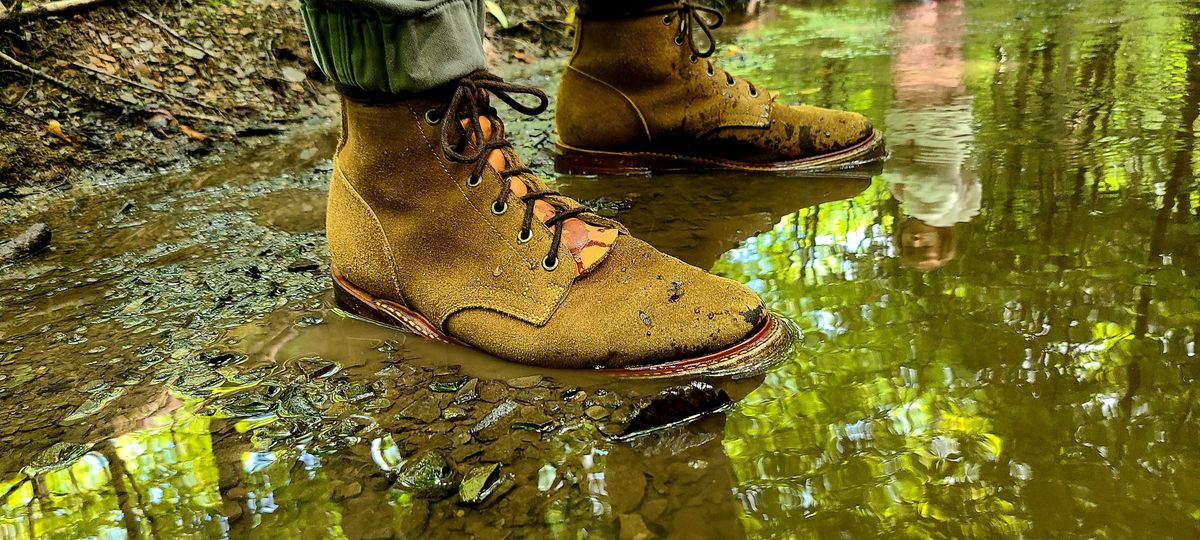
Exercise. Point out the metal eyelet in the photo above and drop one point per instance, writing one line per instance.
(473, 181)
(679, 40)
(731, 82)
(432, 118)
(753, 92)
(667, 20)
(524, 236)
(549, 264)
(499, 208)
(693, 59)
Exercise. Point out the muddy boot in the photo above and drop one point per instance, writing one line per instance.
(639, 94)
(436, 225)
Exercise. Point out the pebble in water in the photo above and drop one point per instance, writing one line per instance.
(430, 477)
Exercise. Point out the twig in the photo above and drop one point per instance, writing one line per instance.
(47, 9)
(167, 93)
(58, 82)
(173, 33)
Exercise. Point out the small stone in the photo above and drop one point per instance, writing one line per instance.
(503, 450)
(465, 452)
(422, 410)
(633, 527)
(654, 508)
(292, 75)
(467, 393)
(525, 382)
(492, 426)
(454, 413)
(628, 486)
(596, 412)
(492, 391)
(448, 383)
(479, 483)
(429, 477)
(346, 491)
(303, 265)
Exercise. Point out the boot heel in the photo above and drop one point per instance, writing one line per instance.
(360, 303)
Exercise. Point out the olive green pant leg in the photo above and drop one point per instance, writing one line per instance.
(395, 46)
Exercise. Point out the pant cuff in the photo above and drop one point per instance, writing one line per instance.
(369, 48)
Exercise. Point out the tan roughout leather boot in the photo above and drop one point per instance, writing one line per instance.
(456, 240)
(638, 95)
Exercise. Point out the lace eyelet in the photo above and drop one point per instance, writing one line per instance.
(679, 40)
(693, 59)
(753, 92)
(549, 264)
(499, 207)
(667, 20)
(711, 71)
(473, 181)
(524, 236)
(731, 82)
(432, 118)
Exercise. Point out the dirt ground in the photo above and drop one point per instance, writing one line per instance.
(139, 87)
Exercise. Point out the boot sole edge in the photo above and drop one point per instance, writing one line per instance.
(766, 346)
(574, 160)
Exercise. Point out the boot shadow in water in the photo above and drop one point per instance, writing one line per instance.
(699, 217)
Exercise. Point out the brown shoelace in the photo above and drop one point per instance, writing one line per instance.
(692, 16)
(465, 104)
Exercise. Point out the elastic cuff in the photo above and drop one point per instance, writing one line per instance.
(373, 49)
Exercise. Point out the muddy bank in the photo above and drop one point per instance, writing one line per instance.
(132, 88)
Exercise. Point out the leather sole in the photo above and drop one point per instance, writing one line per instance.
(573, 160)
(770, 343)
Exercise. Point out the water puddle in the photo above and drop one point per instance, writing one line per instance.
(998, 328)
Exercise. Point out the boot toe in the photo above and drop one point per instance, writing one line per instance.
(639, 307)
(857, 129)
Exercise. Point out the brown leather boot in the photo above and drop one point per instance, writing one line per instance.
(435, 225)
(640, 95)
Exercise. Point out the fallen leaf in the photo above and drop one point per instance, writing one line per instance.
(194, 53)
(55, 129)
(192, 134)
(523, 56)
(186, 69)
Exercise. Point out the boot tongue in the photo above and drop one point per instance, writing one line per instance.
(588, 243)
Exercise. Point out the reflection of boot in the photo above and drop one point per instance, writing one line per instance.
(639, 94)
(456, 240)
(699, 221)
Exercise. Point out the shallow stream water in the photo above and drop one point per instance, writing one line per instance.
(999, 329)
